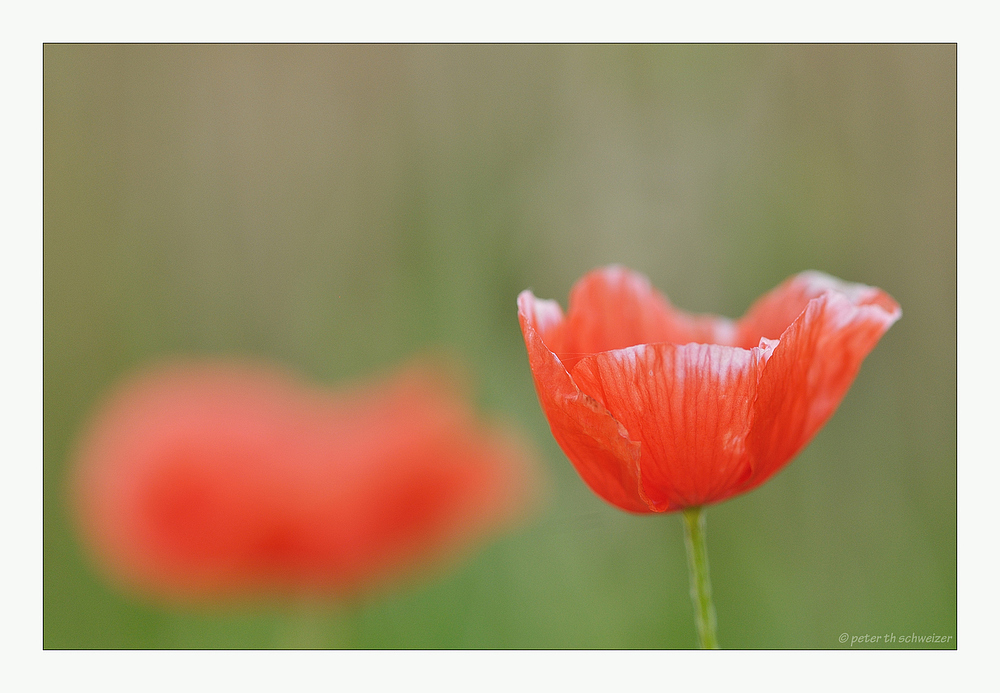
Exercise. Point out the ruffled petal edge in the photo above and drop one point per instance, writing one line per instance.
(593, 440)
(812, 367)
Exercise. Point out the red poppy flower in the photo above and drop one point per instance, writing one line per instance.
(660, 410)
(228, 479)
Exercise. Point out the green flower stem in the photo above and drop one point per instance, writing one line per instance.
(315, 625)
(701, 586)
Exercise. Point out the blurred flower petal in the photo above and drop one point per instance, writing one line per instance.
(216, 479)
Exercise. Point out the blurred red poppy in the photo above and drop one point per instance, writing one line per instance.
(206, 480)
(660, 410)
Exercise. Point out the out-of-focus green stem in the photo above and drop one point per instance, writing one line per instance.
(701, 586)
(315, 625)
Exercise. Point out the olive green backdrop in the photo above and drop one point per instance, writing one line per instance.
(339, 208)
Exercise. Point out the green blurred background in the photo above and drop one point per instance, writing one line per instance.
(338, 208)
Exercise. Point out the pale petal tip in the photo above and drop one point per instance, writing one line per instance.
(620, 274)
(818, 283)
(541, 313)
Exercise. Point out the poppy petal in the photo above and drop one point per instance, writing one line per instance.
(812, 367)
(614, 307)
(689, 407)
(227, 480)
(712, 408)
(597, 444)
(772, 313)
